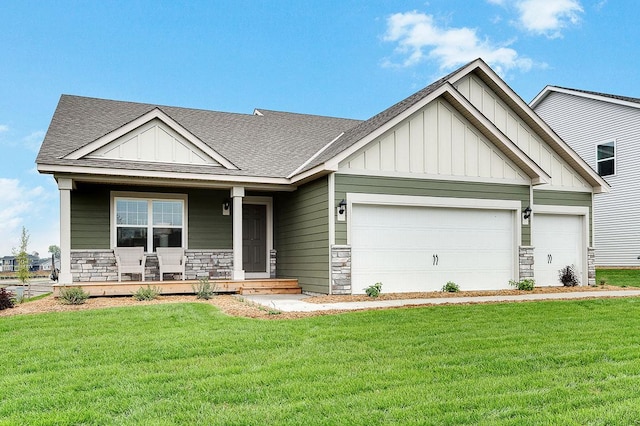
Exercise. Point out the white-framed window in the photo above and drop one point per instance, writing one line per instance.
(606, 158)
(148, 220)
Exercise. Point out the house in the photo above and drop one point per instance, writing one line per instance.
(603, 129)
(45, 265)
(10, 263)
(460, 182)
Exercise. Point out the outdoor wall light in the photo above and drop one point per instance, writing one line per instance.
(341, 206)
(526, 213)
(226, 206)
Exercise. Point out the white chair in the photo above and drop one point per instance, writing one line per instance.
(171, 260)
(130, 260)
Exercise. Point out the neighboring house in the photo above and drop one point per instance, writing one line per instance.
(45, 265)
(455, 183)
(10, 263)
(605, 131)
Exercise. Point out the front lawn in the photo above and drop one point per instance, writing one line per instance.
(619, 277)
(564, 362)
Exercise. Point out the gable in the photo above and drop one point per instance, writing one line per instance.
(154, 142)
(508, 122)
(435, 141)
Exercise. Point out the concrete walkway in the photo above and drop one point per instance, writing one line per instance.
(297, 303)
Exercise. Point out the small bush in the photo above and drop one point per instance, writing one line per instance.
(451, 287)
(525, 284)
(7, 299)
(146, 293)
(204, 289)
(568, 276)
(374, 290)
(73, 296)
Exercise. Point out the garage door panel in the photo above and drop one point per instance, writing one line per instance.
(558, 241)
(410, 248)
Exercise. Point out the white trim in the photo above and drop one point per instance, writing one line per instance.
(332, 222)
(314, 156)
(614, 158)
(548, 89)
(158, 114)
(149, 197)
(268, 202)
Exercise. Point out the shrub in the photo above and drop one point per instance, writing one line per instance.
(451, 287)
(146, 293)
(73, 296)
(525, 284)
(568, 276)
(7, 299)
(204, 289)
(374, 290)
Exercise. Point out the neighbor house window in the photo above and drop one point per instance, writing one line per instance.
(606, 158)
(149, 222)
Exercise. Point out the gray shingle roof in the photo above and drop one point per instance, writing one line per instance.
(605, 95)
(272, 144)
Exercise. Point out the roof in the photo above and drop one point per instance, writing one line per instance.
(268, 144)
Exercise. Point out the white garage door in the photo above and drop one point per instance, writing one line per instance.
(421, 248)
(558, 241)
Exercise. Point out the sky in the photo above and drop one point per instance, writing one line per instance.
(338, 58)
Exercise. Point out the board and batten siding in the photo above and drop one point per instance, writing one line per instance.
(564, 198)
(348, 183)
(508, 122)
(584, 123)
(301, 235)
(435, 141)
(91, 226)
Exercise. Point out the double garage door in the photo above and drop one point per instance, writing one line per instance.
(411, 248)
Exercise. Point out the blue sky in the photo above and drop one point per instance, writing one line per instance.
(339, 58)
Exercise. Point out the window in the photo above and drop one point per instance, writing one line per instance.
(606, 157)
(149, 222)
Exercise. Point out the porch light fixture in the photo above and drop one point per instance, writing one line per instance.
(226, 206)
(341, 206)
(526, 213)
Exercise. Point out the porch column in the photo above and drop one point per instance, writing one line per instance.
(65, 185)
(237, 193)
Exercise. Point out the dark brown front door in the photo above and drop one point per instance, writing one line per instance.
(254, 238)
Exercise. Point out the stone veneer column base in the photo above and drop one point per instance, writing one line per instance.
(591, 266)
(272, 260)
(525, 262)
(341, 269)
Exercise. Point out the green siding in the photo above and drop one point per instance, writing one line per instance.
(90, 216)
(301, 235)
(427, 188)
(566, 198)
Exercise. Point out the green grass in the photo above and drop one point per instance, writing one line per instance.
(563, 362)
(619, 277)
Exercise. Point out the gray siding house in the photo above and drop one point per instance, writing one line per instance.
(604, 130)
(459, 182)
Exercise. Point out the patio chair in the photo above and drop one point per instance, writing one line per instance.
(171, 260)
(130, 260)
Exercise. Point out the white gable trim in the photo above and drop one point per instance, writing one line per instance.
(547, 90)
(156, 113)
(314, 156)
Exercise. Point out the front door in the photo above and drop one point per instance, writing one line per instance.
(254, 238)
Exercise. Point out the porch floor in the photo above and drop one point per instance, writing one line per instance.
(128, 288)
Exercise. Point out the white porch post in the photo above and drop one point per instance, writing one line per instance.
(237, 193)
(65, 185)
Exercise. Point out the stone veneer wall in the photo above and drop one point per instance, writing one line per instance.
(100, 265)
(272, 265)
(341, 269)
(525, 262)
(591, 266)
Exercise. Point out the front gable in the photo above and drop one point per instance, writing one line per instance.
(153, 137)
(517, 130)
(436, 141)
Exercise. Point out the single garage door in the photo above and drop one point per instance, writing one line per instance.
(558, 241)
(410, 248)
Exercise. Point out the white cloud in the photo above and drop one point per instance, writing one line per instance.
(34, 140)
(419, 38)
(548, 17)
(28, 207)
(4, 128)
